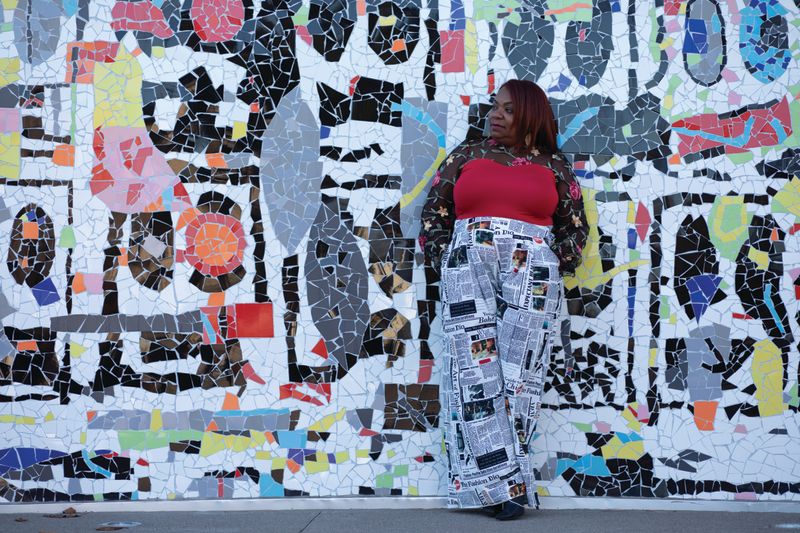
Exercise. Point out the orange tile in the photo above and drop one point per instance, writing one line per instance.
(64, 155)
(123, 257)
(30, 230)
(398, 45)
(293, 466)
(216, 160)
(78, 283)
(231, 402)
(216, 299)
(704, 414)
(27, 346)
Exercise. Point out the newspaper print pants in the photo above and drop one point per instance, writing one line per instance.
(501, 298)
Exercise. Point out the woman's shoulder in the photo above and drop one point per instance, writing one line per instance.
(475, 147)
(556, 159)
(552, 156)
(483, 143)
(466, 150)
(557, 162)
(468, 145)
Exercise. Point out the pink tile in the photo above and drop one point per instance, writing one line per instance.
(94, 283)
(673, 26)
(729, 75)
(9, 120)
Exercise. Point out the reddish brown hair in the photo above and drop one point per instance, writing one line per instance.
(532, 114)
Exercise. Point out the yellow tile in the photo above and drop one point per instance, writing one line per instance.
(761, 259)
(239, 129)
(9, 155)
(155, 420)
(9, 70)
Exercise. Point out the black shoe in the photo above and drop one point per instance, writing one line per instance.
(513, 509)
(492, 510)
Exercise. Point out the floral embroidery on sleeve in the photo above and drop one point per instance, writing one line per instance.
(439, 213)
(570, 228)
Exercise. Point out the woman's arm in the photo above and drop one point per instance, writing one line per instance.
(439, 213)
(570, 228)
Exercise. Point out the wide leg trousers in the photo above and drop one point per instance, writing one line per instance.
(501, 295)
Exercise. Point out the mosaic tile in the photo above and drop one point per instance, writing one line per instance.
(211, 287)
(290, 170)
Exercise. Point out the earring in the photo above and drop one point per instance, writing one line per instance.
(528, 140)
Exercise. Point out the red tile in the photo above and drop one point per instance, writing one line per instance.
(254, 320)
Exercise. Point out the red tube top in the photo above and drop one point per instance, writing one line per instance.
(486, 188)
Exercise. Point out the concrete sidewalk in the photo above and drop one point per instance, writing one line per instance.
(408, 520)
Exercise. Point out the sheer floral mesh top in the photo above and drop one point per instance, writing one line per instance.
(484, 178)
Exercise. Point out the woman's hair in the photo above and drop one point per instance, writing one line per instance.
(532, 114)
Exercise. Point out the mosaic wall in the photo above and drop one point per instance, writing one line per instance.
(212, 287)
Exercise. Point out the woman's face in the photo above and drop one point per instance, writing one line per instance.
(501, 119)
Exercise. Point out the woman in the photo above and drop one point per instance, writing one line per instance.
(503, 222)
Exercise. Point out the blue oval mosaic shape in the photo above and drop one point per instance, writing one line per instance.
(704, 46)
(764, 40)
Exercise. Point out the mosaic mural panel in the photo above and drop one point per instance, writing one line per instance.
(212, 286)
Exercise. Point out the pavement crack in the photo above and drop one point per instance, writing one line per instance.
(309, 522)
